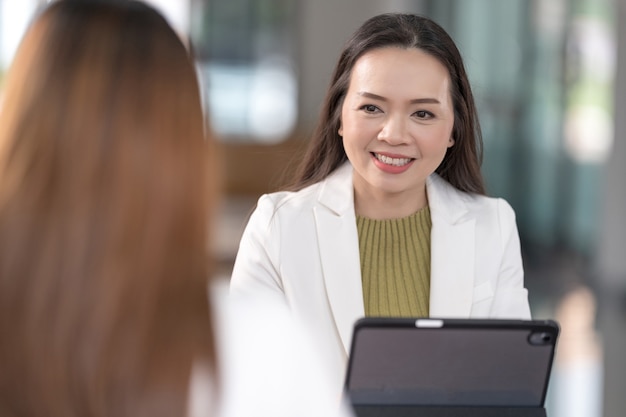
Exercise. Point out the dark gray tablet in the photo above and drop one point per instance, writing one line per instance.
(450, 362)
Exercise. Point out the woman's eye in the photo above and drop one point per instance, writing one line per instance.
(423, 114)
(369, 108)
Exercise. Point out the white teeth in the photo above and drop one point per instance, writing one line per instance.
(392, 161)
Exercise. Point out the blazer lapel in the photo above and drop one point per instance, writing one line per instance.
(339, 251)
(452, 251)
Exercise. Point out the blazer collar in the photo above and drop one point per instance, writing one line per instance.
(336, 192)
(339, 251)
(445, 200)
(452, 250)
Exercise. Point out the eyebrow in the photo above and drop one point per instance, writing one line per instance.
(414, 101)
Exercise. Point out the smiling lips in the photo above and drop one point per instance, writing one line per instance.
(390, 164)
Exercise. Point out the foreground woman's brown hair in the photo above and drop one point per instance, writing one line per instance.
(104, 200)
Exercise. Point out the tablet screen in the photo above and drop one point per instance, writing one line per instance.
(450, 366)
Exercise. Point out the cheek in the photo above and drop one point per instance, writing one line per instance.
(435, 134)
(359, 125)
(349, 126)
(437, 141)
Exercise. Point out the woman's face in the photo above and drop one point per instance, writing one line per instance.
(396, 122)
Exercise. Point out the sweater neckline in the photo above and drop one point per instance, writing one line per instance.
(423, 211)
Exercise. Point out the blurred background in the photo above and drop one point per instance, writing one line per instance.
(549, 77)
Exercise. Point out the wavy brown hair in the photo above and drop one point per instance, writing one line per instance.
(105, 196)
(461, 164)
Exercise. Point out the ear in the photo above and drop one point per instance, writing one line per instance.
(340, 131)
(451, 142)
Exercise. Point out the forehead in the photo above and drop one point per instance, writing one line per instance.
(402, 68)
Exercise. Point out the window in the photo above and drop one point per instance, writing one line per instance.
(245, 52)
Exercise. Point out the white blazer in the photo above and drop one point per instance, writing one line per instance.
(301, 248)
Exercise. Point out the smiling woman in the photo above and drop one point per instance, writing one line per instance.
(387, 215)
(397, 118)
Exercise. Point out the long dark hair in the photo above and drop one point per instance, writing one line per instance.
(461, 164)
(105, 196)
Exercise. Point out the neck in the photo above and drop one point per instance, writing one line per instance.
(383, 206)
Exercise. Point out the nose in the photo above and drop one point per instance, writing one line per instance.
(394, 130)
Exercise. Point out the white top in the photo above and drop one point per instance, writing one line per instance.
(267, 365)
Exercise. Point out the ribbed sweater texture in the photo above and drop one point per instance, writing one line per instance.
(395, 265)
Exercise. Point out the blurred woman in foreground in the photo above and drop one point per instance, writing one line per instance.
(106, 193)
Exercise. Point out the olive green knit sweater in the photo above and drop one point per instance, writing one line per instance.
(395, 265)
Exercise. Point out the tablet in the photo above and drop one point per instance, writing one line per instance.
(450, 362)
